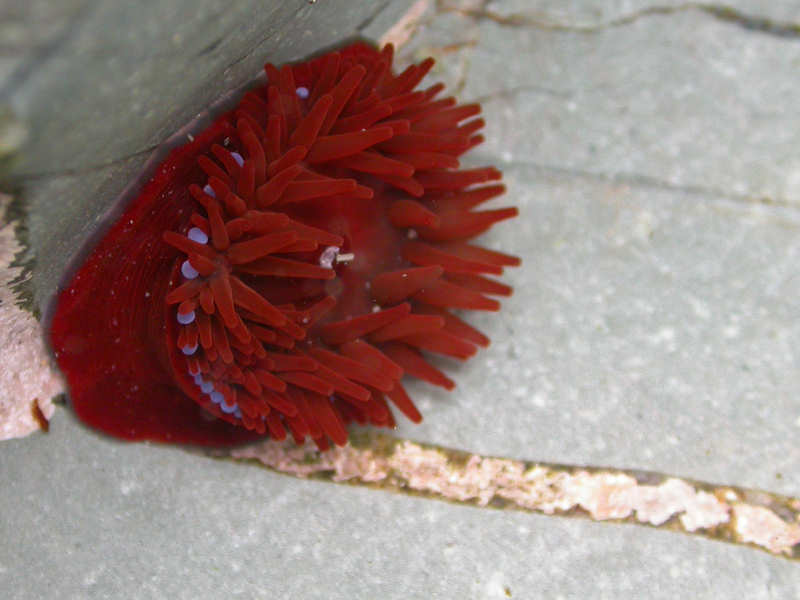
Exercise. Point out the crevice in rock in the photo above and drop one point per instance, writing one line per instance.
(642, 181)
(721, 12)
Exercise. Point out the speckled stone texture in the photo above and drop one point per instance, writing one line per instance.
(654, 151)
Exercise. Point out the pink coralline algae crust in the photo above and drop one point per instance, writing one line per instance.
(761, 526)
(26, 377)
(723, 512)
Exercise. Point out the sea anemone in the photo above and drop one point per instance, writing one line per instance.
(289, 265)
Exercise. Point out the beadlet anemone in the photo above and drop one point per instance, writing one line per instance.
(289, 265)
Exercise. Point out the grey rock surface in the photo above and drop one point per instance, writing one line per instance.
(654, 157)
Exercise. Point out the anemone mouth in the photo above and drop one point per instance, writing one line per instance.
(314, 245)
